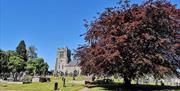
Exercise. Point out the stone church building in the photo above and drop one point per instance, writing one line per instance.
(64, 64)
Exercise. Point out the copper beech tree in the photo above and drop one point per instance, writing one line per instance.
(133, 41)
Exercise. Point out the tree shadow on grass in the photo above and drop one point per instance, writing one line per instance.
(121, 87)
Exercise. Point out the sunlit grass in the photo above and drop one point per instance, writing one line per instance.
(46, 86)
(49, 86)
(104, 89)
(134, 82)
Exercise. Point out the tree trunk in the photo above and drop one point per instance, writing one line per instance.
(127, 81)
(137, 81)
(156, 82)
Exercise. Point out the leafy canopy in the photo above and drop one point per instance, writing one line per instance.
(133, 41)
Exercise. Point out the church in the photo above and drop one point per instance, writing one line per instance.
(64, 64)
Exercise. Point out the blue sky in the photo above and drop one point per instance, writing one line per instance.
(48, 24)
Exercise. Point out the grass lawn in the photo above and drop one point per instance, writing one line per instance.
(47, 86)
(104, 89)
(135, 88)
(144, 87)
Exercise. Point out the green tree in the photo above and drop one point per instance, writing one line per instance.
(31, 52)
(31, 66)
(3, 55)
(16, 64)
(3, 61)
(44, 69)
(41, 66)
(21, 50)
(12, 53)
(37, 66)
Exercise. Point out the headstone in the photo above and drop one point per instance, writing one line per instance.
(21, 75)
(162, 83)
(18, 76)
(36, 79)
(11, 75)
(137, 81)
(15, 76)
(63, 80)
(55, 85)
(41, 79)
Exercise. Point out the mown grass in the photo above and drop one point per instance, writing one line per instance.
(104, 89)
(49, 86)
(46, 86)
(150, 86)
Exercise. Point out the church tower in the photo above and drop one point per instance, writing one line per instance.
(62, 59)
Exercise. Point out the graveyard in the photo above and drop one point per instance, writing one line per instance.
(79, 84)
(45, 86)
(130, 45)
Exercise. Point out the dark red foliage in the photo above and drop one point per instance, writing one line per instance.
(133, 42)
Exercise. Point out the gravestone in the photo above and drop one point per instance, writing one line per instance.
(36, 79)
(63, 80)
(11, 77)
(21, 75)
(41, 79)
(137, 81)
(56, 86)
